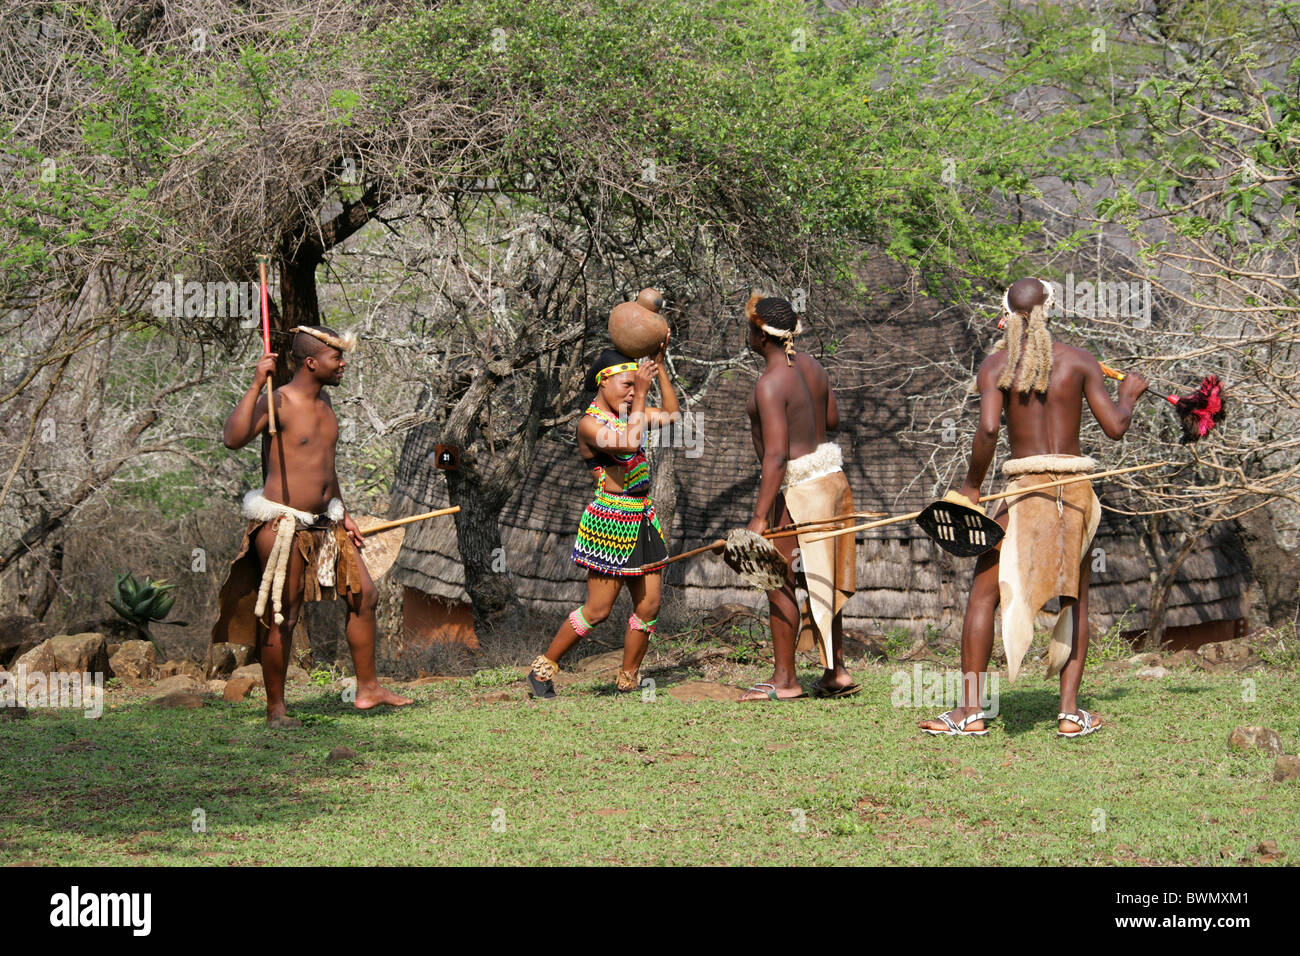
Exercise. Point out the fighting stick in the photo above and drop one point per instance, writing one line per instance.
(266, 342)
(784, 531)
(1198, 412)
(389, 525)
(897, 519)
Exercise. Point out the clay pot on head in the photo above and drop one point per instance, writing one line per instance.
(636, 330)
(651, 299)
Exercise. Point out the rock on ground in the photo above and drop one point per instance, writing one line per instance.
(1255, 738)
(81, 653)
(181, 699)
(1286, 767)
(19, 633)
(1236, 651)
(237, 688)
(67, 654)
(180, 684)
(40, 659)
(251, 672)
(136, 662)
(1153, 673)
(224, 659)
(181, 669)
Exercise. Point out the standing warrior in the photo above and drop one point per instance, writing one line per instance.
(304, 544)
(1040, 386)
(791, 410)
(619, 538)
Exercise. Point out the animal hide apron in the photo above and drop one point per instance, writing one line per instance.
(1049, 533)
(816, 488)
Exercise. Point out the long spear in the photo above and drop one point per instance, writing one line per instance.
(266, 341)
(896, 519)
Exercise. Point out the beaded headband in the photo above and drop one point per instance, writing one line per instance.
(614, 370)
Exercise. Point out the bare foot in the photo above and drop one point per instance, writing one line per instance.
(835, 682)
(835, 677)
(378, 694)
(283, 722)
(765, 691)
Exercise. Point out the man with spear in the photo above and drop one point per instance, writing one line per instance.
(1040, 386)
(300, 544)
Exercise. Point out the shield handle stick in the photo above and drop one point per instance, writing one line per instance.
(1005, 494)
(388, 525)
(784, 531)
(262, 258)
(787, 531)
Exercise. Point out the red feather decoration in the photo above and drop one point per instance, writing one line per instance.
(1200, 411)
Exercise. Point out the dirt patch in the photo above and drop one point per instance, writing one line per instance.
(698, 690)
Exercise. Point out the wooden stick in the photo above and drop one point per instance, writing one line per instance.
(720, 543)
(389, 525)
(784, 531)
(1119, 377)
(266, 344)
(787, 531)
(1005, 494)
(897, 519)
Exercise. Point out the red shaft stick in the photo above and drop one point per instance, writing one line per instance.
(266, 344)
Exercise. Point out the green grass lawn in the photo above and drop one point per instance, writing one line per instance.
(595, 778)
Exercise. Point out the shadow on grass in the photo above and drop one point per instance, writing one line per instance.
(1029, 710)
(137, 775)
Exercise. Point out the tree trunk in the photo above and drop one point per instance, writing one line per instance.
(481, 486)
(487, 577)
(298, 302)
(663, 490)
(39, 602)
(1158, 604)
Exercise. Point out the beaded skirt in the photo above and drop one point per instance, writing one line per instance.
(620, 535)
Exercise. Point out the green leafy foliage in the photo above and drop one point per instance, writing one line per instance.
(141, 604)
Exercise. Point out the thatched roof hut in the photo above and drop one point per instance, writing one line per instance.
(890, 392)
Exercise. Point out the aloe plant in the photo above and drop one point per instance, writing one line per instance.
(142, 604)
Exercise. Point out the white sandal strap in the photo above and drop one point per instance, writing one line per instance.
(1082, 718)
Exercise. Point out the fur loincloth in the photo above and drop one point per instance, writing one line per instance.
(1049, 533)
(815, 488)
(825, 460)
(331, 566)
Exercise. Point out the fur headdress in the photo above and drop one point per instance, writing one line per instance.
(1028, 345)
(344, 343)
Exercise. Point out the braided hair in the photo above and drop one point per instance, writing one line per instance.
(776, 319)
